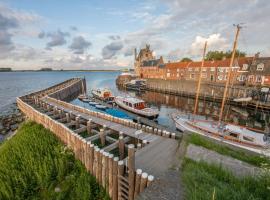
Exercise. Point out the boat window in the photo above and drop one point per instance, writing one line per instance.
(250, 139)
(234, 135)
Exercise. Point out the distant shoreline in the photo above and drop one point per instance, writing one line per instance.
(80, 70)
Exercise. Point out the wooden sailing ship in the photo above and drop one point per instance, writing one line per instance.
(245, 137)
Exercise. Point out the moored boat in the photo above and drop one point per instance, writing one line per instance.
(101, 107)
(83, 97)
(103, 94)
(230, 133)
(137, 85)
(136, 106)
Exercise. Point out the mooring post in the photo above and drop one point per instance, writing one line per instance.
(131, 169)
(68, 117)
(115, 178)
(91, 158)
(100, 166)
(89, 123)
(143, 181)
(103, 169)
(137, 182)
(121, 145)
(139, 146)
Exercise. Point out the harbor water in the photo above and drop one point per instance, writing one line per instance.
(13, 84)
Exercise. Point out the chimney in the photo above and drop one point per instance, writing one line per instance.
(257, 55)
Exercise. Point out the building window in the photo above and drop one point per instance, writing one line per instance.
(220, 77)
(168, 74)
(212, 69)
(251, 78)
(189, 69)
(245, 67)
(177, 70)
(220, 69)
(196, 69)
(258, 79)
(212, 77)
(260, 67)
(204, 75)
(192, 76)
(204, 69)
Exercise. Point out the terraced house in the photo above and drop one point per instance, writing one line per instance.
(246, 70)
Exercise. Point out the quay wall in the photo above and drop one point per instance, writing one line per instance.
(108, 170)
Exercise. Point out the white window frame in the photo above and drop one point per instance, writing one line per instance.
(260, 67)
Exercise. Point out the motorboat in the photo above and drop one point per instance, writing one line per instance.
(93, 103)
(136, 106)
(83, 98)
(103, 94)
(226, 132)
(101, 107)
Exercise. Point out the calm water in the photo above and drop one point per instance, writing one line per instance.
(15, 84)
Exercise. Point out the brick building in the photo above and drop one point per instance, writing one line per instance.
(245, 71)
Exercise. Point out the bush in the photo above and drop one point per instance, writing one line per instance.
(35, 165)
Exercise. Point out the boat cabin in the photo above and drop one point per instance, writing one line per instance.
(134, 103)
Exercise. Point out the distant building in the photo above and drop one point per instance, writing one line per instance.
(245, 70)
(5, 69)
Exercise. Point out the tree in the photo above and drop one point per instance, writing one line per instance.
(219, 55)
(186, 59)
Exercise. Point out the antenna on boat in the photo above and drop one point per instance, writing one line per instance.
(199, 81)
(238, 27)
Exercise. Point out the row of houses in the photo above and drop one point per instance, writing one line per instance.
(245, 71)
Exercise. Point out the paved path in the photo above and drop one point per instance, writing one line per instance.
(237, 167)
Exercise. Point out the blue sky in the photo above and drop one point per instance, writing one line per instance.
(102, 34)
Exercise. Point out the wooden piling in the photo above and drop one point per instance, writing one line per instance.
(89, 123)
(137, 182)
(115, 179)
(110, 175)
(143, 181)
(150, 179)
(102, 137)
(120, 173)
(67, 117)
(121, 145)
(100, 166)
(131, 170)
(77, 119)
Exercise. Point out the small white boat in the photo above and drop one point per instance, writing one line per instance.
(102, 107)
(103, 94)
(83, 98)
(226, 132)
(92, 103)
(136, 106)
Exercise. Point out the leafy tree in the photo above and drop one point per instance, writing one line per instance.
(219, 55)
(186, 59)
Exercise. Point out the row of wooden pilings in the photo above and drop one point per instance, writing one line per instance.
(110, 172)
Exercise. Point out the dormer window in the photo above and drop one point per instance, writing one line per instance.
(260, 67)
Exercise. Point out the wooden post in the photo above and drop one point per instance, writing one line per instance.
(139, 146)
(95, 163)
(150, 179)
(77, 119)
(137, 182)
(111, 175)
(143, 181)
(103, 178)
(67, 117)
(100, 166)
(102, 136)
(91, 158)
(115, 178)
(121, 145)
(144, 143)
(173, 136)
(89, 122)
(131, 170)
(120, 173)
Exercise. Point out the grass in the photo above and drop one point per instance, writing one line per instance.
(250, 158)
(35, 165)
(203, 182)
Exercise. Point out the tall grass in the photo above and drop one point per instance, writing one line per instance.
(203, 182)
(250, 158)
(35, 165)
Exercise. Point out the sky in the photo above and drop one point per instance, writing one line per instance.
(102, 34)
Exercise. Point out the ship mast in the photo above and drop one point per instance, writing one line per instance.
(199, 81)
(238, 27)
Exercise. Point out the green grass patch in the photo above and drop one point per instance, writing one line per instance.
(257, 160)
(35, 165)
(203, 182)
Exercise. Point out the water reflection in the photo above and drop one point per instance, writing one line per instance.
(168, 104)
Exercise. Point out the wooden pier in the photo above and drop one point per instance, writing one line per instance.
(124, 156)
